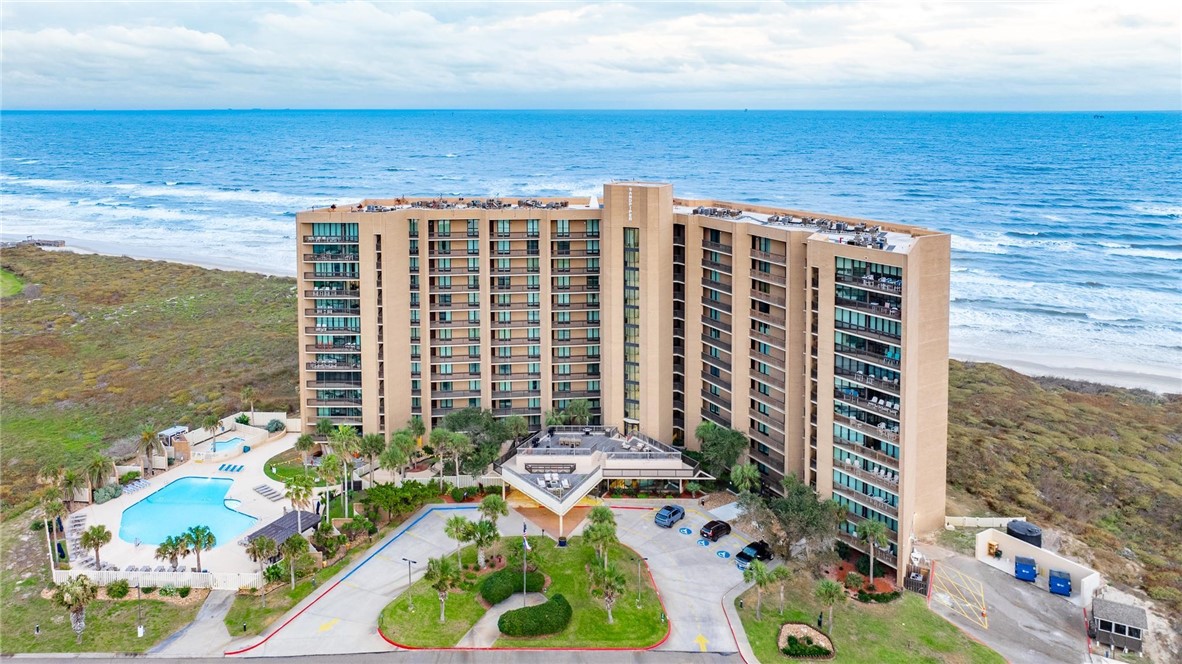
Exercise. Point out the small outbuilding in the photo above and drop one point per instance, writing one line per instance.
(1118, 625)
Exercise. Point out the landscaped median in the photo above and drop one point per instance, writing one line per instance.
(902, 632)
(636, 624)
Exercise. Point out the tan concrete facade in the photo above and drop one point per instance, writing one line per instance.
(824, 339)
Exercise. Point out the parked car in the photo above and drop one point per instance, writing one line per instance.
(753, 551)
(669, 515)
(715, 530)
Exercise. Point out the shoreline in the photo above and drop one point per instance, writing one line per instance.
(1071, 368)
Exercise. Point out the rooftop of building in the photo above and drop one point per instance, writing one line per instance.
(1125, 614)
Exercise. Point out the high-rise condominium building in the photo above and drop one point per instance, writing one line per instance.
(823, 339)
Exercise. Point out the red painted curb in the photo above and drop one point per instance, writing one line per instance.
(1087, 637)
(631, 507)
(738, 648)
(931, 582)
(285, 623)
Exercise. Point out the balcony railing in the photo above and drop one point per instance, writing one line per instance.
(331, 329)
(891, 386)
(455, 304)
(778, 321)
(777, 279)
(333, 293)
(888, 482)
(332, 276)
(716, 380)
(769, 256)
(769, 298)
(880, 458)
(516, 411)
(876, 504)
(577, 341)
(333, 311)
(454, 394)
(717, 285)
(881, 554)
(334, 402)
(333, 348)
(515, 394)
(713, 322)
(868, 405)
(770, 418)
(880, 432)
(866, 333)
(867, 307)
(776, 341)
(517, 306)
(333, 366)
(332, 258)
(717, 343)
(717, 246)
(501, 288)
(769, 379)
(576, 288)
(874, 285)
(863, 354)
(330, 239)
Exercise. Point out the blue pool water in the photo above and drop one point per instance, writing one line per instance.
(190, 501)
(221, 446)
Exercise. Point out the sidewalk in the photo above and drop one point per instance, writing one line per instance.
(736, 624)
(485, 632)
(206, 635)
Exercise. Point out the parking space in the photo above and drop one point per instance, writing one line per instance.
(692, 573)
(1022, 622)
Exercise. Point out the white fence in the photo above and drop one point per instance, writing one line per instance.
(979, 521)
(213, 580)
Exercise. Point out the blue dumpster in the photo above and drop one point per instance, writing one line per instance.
(1025, 569)
(1059, 583)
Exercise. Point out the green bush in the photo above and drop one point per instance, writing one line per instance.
(274, 573)
(242, 419)
(107, 493)
(549, 618)
(854, 580)
(275, 426)
(805, 648)
(148, 590)
(458, 495)
(882, 598)
(129, 477)
(863, 565)
(184, 591)
(118, 589)
(168, 590)
(498, 586)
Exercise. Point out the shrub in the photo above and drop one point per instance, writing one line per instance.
(457, 494)
(37, 524)
(882, 598)
(549, 618)
(242, 419)
(118, 589)
(129, 477)
(498, 586)
(168, 590)
(863, 565)
(275, 426)
(805, 648)
(853, 580)
(107, 493)
(148, 590)
(842, 549)
(184, 591)
(274, 573)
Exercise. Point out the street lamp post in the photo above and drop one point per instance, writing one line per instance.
(409, 596)
(139, 605)
(639, 582)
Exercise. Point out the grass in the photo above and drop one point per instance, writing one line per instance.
(903, 632)
(567, 568)
(248, 609)
(10, 284)
(110, 625)
(288, 464)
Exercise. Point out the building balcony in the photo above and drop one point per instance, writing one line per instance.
(717, 246)
(455, 375)
(886, 482)
(577, 376)
(574, 253)
(867, 333)
(330, 239)
(769, 318)
(576, 323)
(880, 310)
(454, 394)
(717, 343)
(515, 235)
(867, 356)
(876, 504)
(577, 341)
(717, 324)
(876, 456)
(513, 252)
(716, 285)
(769, 418)
(333, 311)
(325, 365)
(880, 554)
(868, 405)
(515, 394)
(880, 432)
(502, 412)
(769, 298)
(503, 324)
(516, 288)
(352, 403)
(516, 341)
(716, 399)
(334, 384)
(331, 329)
(332, 258)
(892, 287)
(768, 379)
(334, 293)
(769, 256)
(332, 276)
(720, 362)
(775, 356)
(517, 306)
(722, 420)
(574, 235)
(576, 288)
(578, 306)
(889, 386)
(333, 348)
(716, 380)
(455, 322)
(461, 304)
(576, 394)
(778, 279)
(892, 534)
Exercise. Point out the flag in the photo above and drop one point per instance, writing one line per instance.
(524, 539)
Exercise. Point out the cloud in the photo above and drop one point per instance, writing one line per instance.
(598, 55)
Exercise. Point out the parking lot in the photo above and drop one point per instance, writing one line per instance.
(692, 574)
(1020, 621)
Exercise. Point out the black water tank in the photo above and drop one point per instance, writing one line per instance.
(1025, 531)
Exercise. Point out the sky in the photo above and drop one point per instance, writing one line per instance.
(971, 55)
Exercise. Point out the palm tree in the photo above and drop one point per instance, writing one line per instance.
(292, 548)
(148, 445)
(261, 549)
(166, 550)
(346, 443)
(72, 481)
(578, 411)
(600, 535)
(608, 583)
(73, 596)
(745, 476)
(247, 396)
(200, 538)
(781, 575)
(304, 445)
(95, 537)
(372, 446)
(210, 423)
(416, 429)
(517, 426)
(324, 427)
(457, 528)
(483, 534)
(330, 469)
(761, 576)
(705, 431)
(874, 534)
(460, 445)
(693, 488)
(601, 514)
(830, 592)
(99, 471)
(443, 575)
(554, 418)
(397, 454)
(53, 510)
(441, 443)
(298, 490)
(493, 507)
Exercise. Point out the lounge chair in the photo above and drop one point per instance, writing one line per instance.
(183, 568)
(162, 568)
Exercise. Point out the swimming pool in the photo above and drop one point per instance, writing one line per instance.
(222, 446)
(189, 501)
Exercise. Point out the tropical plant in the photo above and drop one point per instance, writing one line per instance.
(853, 580)
(242, 418)
(327, 540)
(761, 576)
(450, 443)
(600, 535)
(170, 549)
(554, 418)
(601, 514)
(211, 423)
(443, 574)
(372, 446)
(99, 470)
(721, 447)
(781, 575)
(345, 443)
(53, 510)
(95, 537)
(298, 489)
(745, 476)
(330, 470)
(800, 514)
(493, 507)
(200, 538)
(483, 534)
(578, 411)
(873, 533)
(72, 482)
(247, 396)
(397, 453)
(73, 596)
(276, 425)
(517, 426)
(608, 584)
(458, 528)
(260, 550)
(294, 548)
(304, 445)
(416, 429)
(830, 592)
(694, 488)
(324, 427)
(147, 446)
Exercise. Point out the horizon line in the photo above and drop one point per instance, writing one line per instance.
(582, 110)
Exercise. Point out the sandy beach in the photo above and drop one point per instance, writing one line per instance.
(1063, 366)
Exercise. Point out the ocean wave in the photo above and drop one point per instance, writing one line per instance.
(180, 190)
(1158, 254)
(1171, 211)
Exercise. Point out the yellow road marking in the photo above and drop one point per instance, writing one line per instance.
(961, 593)
(329, 625)
(701, 641)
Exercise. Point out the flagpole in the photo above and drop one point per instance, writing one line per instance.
(524, 553)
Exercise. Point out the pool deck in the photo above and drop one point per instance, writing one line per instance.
(226, 556)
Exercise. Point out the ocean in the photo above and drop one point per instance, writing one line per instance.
(1067, 227)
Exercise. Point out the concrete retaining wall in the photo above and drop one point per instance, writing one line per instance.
(980, 521)
(1085, 582)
